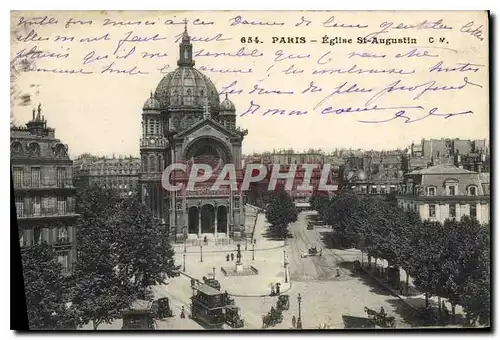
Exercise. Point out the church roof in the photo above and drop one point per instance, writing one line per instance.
(186, 87)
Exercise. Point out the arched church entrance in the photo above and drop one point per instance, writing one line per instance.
(193, 220)
(221, 219)
(207, 219)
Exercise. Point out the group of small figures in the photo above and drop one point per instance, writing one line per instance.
(276, 291)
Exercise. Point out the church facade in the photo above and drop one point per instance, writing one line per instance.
(184, 121)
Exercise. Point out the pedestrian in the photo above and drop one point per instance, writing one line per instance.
(382, 311)
(338, 272)
(294, 321)
(183, 315)
(278, 289)
(227, 257)
(232, 257)
(272, 290)
(254, 241)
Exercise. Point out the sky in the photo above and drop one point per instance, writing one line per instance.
(290, 89)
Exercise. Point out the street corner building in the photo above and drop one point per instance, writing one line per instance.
(184, 121)
(446, 191)
(42, 173)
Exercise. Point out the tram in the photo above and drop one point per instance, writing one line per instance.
(208, 306)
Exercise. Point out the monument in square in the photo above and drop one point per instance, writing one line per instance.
(239, 269)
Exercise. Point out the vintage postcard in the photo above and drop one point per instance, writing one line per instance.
(277, 170)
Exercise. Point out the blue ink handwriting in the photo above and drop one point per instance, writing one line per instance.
(238, 20)
(330, 22)
(421, 88)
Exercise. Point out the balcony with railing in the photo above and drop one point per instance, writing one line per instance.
(32, 212)
(28, 184)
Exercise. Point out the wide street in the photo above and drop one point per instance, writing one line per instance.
(325, 297)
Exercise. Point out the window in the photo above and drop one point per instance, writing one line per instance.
(473, 211)
(35, 177)
(63, 260)
(451, 190)
(36, 209)
(20, 206)
(37, 236)
(432, 210)
(61, 177)
(363, 189)
(18, 175)
(382, 190)
(473, 190)
(62, 235)
(453, 211)
(431, 191)
(61, 205)
(374, 189)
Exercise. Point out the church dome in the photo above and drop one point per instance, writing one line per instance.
(227, 106)
(151, 103)
(186, 87)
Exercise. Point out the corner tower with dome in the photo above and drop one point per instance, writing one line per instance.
(184, 121)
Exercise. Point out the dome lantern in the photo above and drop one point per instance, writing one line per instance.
(185, 49)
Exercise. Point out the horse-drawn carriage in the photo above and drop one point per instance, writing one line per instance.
(274, 317)
(283, 302)
(143, 314)
(233, 317)
(380, 318)
(313, 251)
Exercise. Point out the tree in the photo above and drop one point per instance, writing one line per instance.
(100, 294)
(281, 211)
(144, 253)
(123, 250)
(45, 288)
(472, 269)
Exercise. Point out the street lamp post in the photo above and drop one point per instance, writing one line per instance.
(184, 266)
(213, 269)
(253, 252)
(201, 252)
(299, 320)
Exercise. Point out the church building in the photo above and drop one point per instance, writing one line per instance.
(184, 121)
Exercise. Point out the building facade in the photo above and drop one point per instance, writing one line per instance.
(42, 173)
(184, 121)
(443, 192)
(118, 173)
(374, 173)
